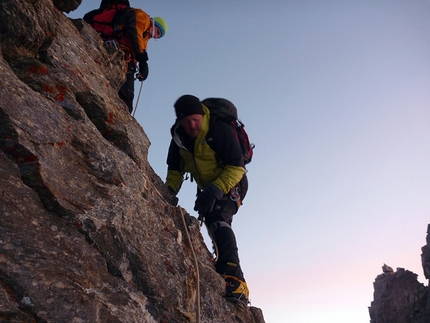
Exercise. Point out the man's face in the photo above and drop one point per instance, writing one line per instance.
(157, 32)
(192, 124)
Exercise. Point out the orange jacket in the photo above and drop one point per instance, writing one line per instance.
(137, 27)
(130, 27)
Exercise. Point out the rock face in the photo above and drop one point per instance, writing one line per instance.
(399, 297)
(87, 233)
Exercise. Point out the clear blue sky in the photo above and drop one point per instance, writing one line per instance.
(336, 97)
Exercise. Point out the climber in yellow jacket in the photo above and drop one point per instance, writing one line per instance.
(210, 151)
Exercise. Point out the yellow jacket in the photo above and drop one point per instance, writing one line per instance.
(223, 167)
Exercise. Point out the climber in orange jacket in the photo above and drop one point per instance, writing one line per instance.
(129, 29)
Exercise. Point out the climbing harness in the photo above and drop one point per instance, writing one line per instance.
(112, 43)
(196, 264)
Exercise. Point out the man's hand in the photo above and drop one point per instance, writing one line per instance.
(204, 203)
(171, 197)
(143, 71)
(206, 200)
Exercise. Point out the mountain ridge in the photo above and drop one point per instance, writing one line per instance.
(399, 297)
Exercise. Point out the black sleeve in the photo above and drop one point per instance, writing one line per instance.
(129, 19)
(173, 157)
(142, 58)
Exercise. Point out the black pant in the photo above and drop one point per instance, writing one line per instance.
(218, 223)
(126, 92)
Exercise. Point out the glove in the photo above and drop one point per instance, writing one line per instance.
(206, 200)
(143, 71)
(171, 197)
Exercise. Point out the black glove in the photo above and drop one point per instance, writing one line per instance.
(143, 71)
(206, 200)
(171, 196)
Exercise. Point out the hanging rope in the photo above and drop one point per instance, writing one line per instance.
(196, 264)
(138, 97)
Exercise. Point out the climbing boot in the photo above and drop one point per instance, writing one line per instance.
(236, 288)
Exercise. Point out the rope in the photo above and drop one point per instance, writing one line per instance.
(196, 264)
(138, 97)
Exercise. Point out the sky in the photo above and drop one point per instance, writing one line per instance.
(335, 96)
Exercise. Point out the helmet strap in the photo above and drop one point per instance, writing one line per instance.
(153, 28)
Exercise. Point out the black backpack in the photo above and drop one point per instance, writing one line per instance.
(225, 110)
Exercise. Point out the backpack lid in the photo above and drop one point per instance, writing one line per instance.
(222, 108)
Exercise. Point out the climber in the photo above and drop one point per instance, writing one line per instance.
(128, 29)
(210, 152)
